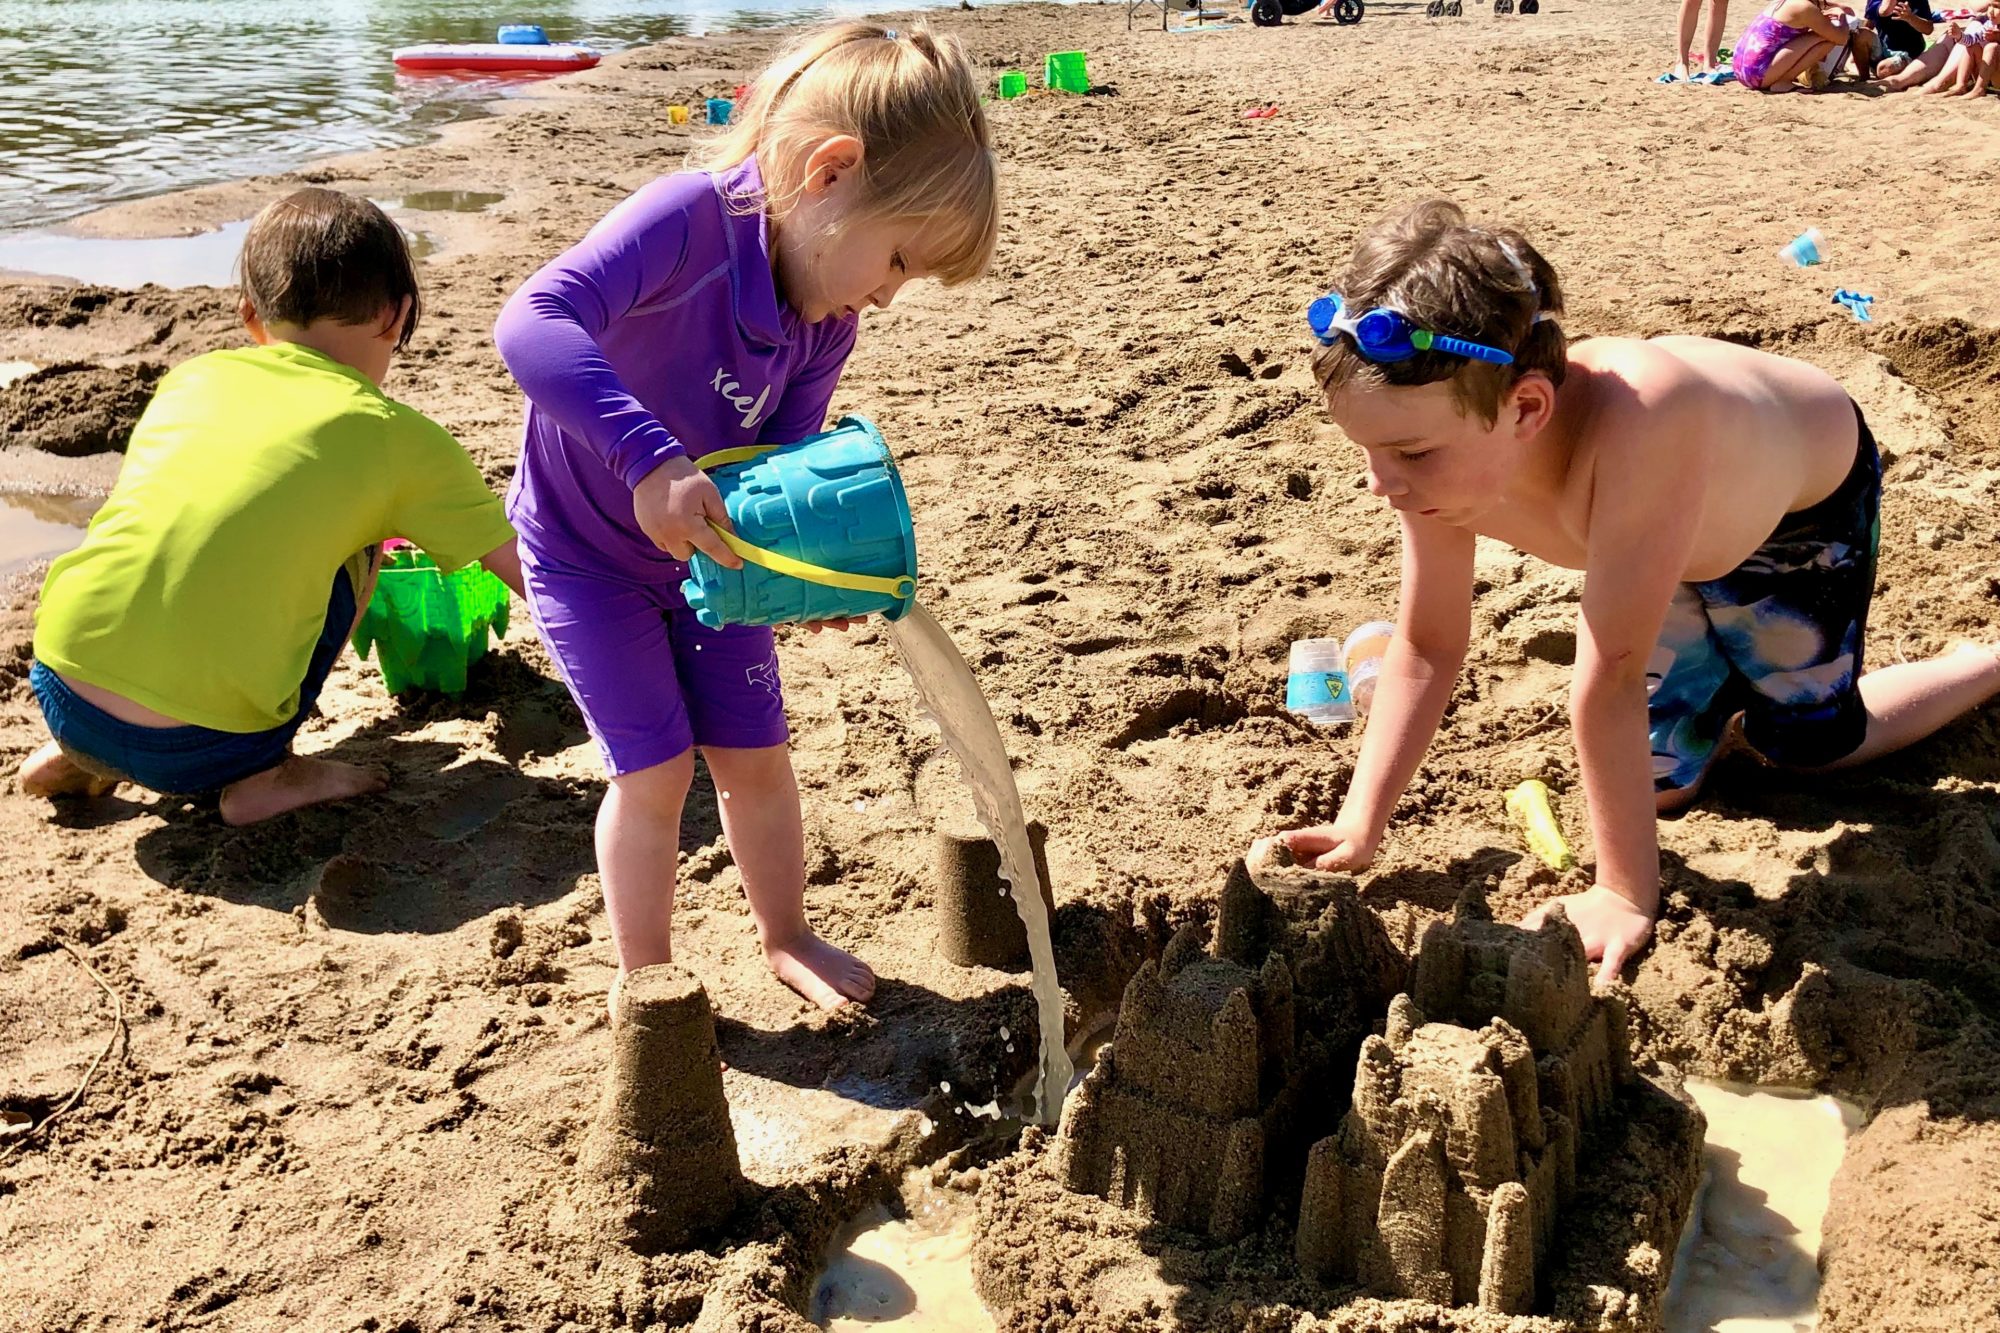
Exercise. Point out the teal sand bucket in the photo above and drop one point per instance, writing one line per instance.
(428, 627)
(823, 528)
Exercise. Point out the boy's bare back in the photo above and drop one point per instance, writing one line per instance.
(1739, 436)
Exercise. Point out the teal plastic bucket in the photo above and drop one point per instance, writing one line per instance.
(719, 109)
(823, 527)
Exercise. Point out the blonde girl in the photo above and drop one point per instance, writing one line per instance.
(713, 309)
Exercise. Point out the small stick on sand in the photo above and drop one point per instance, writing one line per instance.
(118, 1030)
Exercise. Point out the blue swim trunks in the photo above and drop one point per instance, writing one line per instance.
(188, 761)
(1777, 639)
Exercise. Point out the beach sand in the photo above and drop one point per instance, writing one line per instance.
(363, 1045)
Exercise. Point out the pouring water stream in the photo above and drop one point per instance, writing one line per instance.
(951, 694)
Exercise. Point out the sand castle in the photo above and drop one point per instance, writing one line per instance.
(1203, 1101)
(1460, 1149)
(1446, 1170)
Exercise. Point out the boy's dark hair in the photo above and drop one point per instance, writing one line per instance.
(321, 254)
(1485, 284)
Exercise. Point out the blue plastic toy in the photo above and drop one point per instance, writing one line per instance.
(719, 109)
(1857, 304)
(522, 34)
(823, 528)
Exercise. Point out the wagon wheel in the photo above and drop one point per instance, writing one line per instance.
(1434, 9)
(1456, 9)
(1503, 6)
(1347, 12)
(1531, 6)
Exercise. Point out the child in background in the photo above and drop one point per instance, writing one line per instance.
(185, 641)
(1900, 28)
(1792, 44)
(1964, 72)
(1722, 502)
(1954, 64)
(714, 309)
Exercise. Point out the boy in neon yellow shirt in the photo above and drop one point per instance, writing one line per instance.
(185, 641)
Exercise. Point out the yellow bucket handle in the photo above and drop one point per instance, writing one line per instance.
(901, 587)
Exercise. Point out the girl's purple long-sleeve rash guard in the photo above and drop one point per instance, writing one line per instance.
(660, 334)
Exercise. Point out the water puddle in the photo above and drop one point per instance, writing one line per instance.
(36, 526)
(442, 201)
(910, 1273)
(951, 694)
(1749, 1260)
(206, 259)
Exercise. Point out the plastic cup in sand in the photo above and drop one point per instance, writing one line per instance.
(1804, 249)
(1012, 84)
(677, 115)
(719, 109)
(1362, 656)
(1316, 687)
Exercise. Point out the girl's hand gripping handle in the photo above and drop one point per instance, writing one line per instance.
(675, 505)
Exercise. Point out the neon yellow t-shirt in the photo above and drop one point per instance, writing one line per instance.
(201, 586)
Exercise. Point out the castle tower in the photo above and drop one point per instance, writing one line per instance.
(1459, 1148)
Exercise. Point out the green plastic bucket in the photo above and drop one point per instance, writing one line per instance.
(428, 627)
(1065, 71)
(1012, 84)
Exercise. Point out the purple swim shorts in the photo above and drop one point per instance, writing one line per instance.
(652, 681)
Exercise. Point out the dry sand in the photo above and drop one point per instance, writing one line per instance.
(364, 1044)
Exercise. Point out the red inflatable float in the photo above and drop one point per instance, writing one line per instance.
(494, 58)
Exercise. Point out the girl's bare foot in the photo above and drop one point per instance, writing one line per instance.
(294, 784)
(48, 772)
(827, 976)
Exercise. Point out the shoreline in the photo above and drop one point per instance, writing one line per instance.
(366, 1043)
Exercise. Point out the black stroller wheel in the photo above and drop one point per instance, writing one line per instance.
(1456, 9)
(1347, 12)
(1434, 9)
(1531, 6)
(1267, 13)
(1503, 6)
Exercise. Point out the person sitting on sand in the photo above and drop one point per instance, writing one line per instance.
(714, 309)
(1793, 43)
(1899, 29)
(185, 641)
(1722, 502)
(1954, 65)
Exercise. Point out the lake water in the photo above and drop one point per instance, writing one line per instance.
(104, 100)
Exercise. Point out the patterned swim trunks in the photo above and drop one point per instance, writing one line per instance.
(1777, 639)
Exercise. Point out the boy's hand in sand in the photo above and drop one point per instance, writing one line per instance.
(1330, 847)
(1614, 928)
(674, 504)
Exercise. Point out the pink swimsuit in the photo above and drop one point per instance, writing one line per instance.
(1762, 40)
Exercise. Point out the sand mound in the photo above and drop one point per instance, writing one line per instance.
(76, 408)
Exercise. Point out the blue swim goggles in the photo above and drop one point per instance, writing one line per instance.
(1384, 335)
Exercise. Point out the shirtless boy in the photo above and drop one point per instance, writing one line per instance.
(1722, 502)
